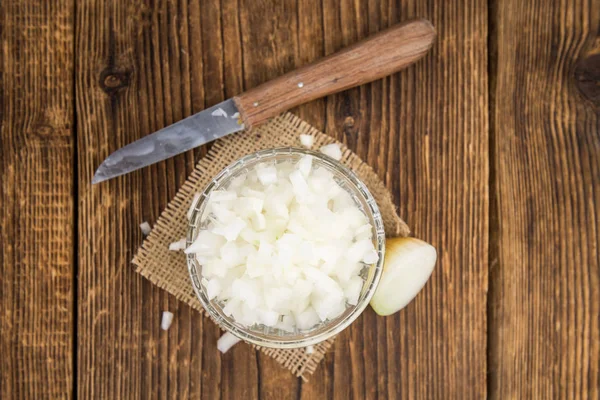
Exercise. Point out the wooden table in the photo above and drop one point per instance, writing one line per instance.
(490, 145)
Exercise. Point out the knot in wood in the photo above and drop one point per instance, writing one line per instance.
(112, 80)
(587, 78)
(44, 131)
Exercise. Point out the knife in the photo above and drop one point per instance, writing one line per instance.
(375, 57)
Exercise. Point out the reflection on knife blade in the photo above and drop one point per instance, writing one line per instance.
(196, 130)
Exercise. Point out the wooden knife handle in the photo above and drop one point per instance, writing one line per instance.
(375, 57)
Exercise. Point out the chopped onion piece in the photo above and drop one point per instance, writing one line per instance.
(358, 250)
(226, 342)
(220, 196)
(310, 349)
(300, 186)
(178, 245)
(307, 319)
(370, 257)
(332, 150)
(267, 175)
(259, 222)
(307, 141)
(268, 317)
(206, 243)
(353, 289)
(145, 227)
(213, 288)
(305, 165)
(167, 319)
(232, 230)
(364, 232)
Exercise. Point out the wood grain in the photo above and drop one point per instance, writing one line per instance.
(374, 57)
(545, 280)
(163, 74)
(37, 217)
(80, 80)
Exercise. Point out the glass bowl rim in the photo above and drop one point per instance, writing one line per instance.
(330, 331)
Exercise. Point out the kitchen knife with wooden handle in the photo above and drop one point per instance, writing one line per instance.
(372, 58)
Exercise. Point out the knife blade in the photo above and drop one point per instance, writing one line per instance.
(375, 57)
(196, 130)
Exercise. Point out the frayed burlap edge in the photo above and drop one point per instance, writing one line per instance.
(168, 269)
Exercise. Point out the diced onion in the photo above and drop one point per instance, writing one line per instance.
(145, 227)
(267, 175)
(167, 319)
(283, 246)
(307, 141)
(178, 245)
(332, 150)
(226, 342)
(310, 349)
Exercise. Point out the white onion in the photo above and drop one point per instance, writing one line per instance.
(310, 349)
(283, 246)
(226, 342)
(145, 227)
(206, 243)
(409, 263)
(178, 245)
(332, 150)
(267, 175)
(305, 165)
(352, 290)
(307, 141)
(213, 288)
(167, 319)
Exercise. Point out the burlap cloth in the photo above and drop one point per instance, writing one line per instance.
(168, 269)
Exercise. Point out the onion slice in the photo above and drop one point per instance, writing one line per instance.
(408, 265)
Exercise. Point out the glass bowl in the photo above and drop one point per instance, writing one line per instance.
(267, 336)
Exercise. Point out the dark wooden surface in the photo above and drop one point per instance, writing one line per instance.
(38, 254)
(490, 145)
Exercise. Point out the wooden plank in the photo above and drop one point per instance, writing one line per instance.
(545, 290)
(144, 65)
(135, 74)
(425, 132)
(37, 226)
(269, 33)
